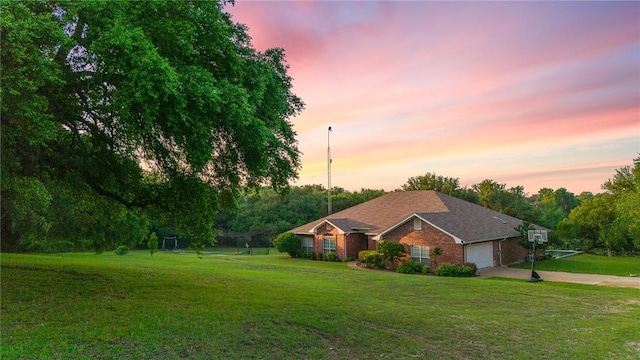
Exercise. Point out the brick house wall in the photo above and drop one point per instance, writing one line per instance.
(428, 236)
(371, 244)
(355, 243)
(512, 253)
(406, 235)
(318, 239)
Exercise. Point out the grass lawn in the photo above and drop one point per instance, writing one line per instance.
(590, 264)
(177, 306)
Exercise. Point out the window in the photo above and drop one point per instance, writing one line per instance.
(417, 224)
(307, 244)
(420, 253)
(329, 246)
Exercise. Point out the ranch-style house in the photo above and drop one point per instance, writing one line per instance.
(421, 220)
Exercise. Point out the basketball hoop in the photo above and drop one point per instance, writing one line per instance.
(536, 237)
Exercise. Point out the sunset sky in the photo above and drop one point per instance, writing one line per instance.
(538, 94)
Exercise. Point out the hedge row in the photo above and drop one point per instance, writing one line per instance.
(453, 270)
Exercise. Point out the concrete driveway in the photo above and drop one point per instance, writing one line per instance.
(607, 280)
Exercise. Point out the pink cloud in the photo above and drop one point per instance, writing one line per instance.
(411, 83)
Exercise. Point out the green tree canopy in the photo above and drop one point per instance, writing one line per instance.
(625, 189)
(497, 197)
(267, 211)
(444, 184)
(611, 219)
(552, 206)
(161, 106)
(591, 220)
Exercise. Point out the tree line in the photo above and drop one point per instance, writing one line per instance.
(609, 220)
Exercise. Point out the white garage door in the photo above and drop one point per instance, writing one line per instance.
(480, 254)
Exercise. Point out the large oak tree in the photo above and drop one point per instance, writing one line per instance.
(158, 106)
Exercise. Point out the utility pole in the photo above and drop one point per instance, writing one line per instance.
(329, 171)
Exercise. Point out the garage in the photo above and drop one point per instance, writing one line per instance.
(479, 254)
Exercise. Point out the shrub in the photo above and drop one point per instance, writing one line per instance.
(411, 267)
(121, 250)
(391, 251)
(288, 242)
(453, 270)
(152, 243)
(374, 260)
(363, 253)
(472, 266)
(435, 253)
(331, 257)
(348, 259)
(46, 246)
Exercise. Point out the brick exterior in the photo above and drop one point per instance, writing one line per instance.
(318, 241)
(371, 244)
(355, 243)
(428, 236)
(512, 253)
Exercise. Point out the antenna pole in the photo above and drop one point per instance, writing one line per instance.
(329, 171)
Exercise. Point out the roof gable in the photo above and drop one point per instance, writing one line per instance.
(382, 212)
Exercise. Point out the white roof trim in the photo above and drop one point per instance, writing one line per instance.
(313, 230)
(414, 215)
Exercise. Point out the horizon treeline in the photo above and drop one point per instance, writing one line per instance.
(607, 221)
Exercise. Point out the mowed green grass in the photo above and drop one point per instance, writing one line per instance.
(590, 264)
(170, 306)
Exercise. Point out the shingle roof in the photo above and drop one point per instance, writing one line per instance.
(473, 223)
(383, 212)
(461, 219)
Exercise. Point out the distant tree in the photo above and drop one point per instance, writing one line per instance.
(591, 220)
(625, 189)
(391, 251)
(152, 244)
(271, 212)
(585, 196)
(288, 243)
(444, 184)
(496, 197)
(552, 206)
(431, 181)
(611, 219)
(342, 199)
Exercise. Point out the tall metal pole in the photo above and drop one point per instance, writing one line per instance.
(329, 171)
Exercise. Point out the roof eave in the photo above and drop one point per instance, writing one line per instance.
(313, 229)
